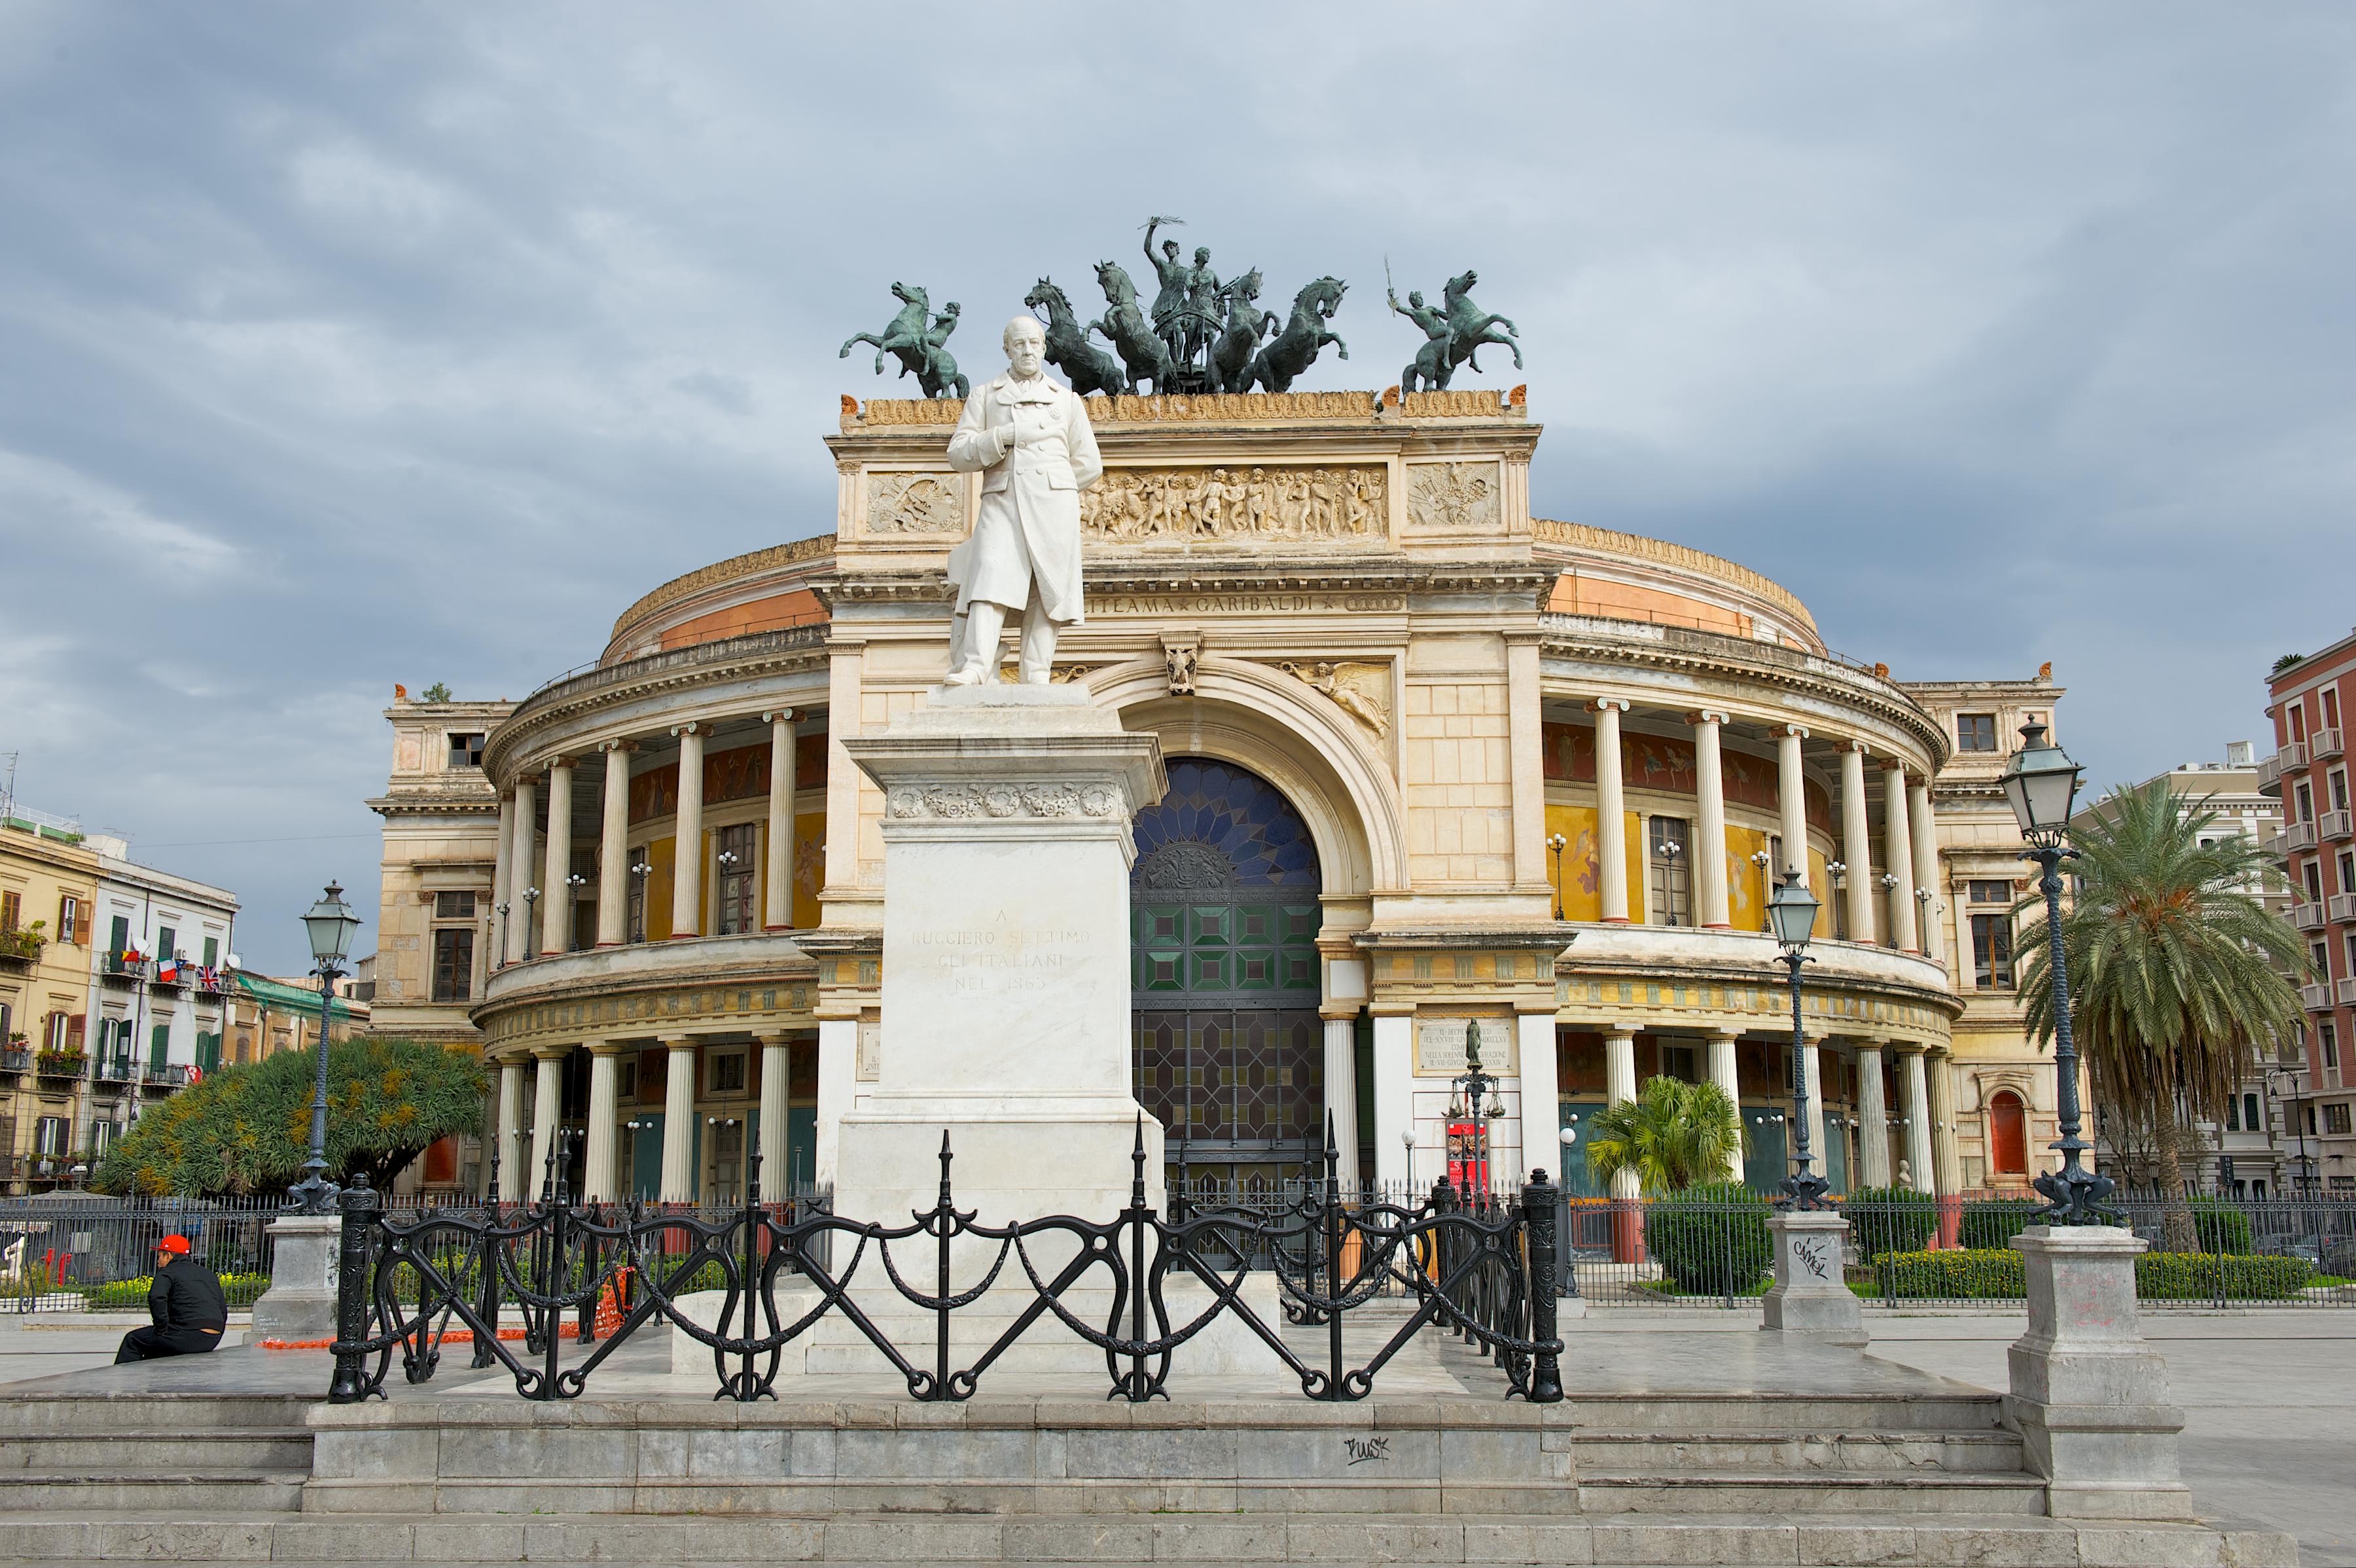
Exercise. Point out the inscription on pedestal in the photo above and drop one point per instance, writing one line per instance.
(982, 962)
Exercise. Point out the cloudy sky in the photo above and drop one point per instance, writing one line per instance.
(347, 345)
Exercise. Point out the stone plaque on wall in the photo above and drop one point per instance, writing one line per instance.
(915, 503)
(1452, 498)
(1439, 1046)
(869, 1066)
(1343, 504)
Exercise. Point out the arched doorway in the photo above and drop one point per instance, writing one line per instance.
(2007, 1135)
(1224, 919)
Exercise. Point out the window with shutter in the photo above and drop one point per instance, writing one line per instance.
(159, 1047)
(11, 910)
(119, 941)
(212, 952)
(75, 1027)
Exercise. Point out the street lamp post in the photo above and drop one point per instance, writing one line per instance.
(1556, 844)
(1467, 1092)
(2040, 783)
(2275, 1078)
(330, 923)
(1792, 917)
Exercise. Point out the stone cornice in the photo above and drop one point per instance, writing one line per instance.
(797, 650)
(1548, 537)
(1641, 645)
(414, 803)
(752, 564)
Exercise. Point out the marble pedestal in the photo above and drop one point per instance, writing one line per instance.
(1006, 984)
(2089, 1397)
(1811, 1295)
(299, 1303)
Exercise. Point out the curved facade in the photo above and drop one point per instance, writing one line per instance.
(1433, 762)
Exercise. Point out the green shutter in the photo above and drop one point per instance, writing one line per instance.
(212, 952)
(159, 1046)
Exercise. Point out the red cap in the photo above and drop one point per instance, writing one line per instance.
(172, 1245)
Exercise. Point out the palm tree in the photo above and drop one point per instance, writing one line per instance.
(2175, 971)
(1674, 1135)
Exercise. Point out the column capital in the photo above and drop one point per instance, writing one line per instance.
(1908, 1047)
(551, 1053)
(561, 760)
(779, 717)
(602, 1048)
(1798, 732)
(1893, 764)
(1721, 1034)
(1616, 704)
(1708, 716)
(687, 728)
(774, 1039)
(610, 746)
(1853, 744)
(1521, 637)
(677, 1042)
(1612, 1034)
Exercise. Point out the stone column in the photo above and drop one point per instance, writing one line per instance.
(1926, 837)
(1541, 1095)
(1723, 1073)
(1812, 1075)
(777, 876)
(503, 878)
(556, 896)
(547, 1111)
(1394, 1102)
(838, 1085)
(1791, 799)
(1619, 1084)
(687, 858)
(513, 1187)
(2089, 1398)
(777, 1078)
(1342, 1094)
(522, 876)
(602, 1132)
(678, 1172)
(1857, 843)
(1916, 1097)
(1872, 1117)
(613, 849)
(1711, 908)
(1898, 854)
(1611, 808)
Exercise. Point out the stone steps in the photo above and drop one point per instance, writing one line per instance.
(226, 1449)
(126, 1489)
(1805, 1453)
(118, 1457)
(1883, 1541)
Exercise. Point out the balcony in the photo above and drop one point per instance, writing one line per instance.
(2270, 775)
(2342, 906)
(2297, 836)
(2324, 742)
(2316, 997)
(116, 970)
(58, 1064)
(15, 1060)
(119, 1070)
(2307, 916)
(2293, 755)
(2348, 992)
(2337, 824)
(164, 1078)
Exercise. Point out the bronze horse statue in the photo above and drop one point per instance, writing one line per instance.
(1088, 368)
(1293, 349)
(1125, 326)
(1462, 331)
(917, 347)
(1231, 355)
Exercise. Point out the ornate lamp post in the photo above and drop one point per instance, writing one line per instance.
(2302, 1172)
(1556, 844)
(330, 923)
(2040, 783)
(1469, 1089)
(531, 908)
(1792, 917)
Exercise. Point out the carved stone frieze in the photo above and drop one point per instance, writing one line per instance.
(1192, 505)
(1001, 799)
(914, 503)
(1453, 498)
(1362, 691)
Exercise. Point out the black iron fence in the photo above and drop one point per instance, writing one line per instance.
(1932, 1252)
(579, 1280)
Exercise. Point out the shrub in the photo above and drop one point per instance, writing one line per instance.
(2192, 1276)
(1709, 1240)
(1889, 1219)
(1983, 1273)
(125, 1296)
(2221, 1227)
(1994, 1222)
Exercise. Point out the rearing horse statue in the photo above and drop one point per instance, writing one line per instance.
(1124, 324)
(1295, 349)
(917, 346)
(1231, 355)
(1088, 368)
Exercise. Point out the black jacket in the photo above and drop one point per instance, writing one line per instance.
(187, 1295)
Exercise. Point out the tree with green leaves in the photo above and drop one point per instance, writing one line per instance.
(2176, 972)
(1673, 1136)
(248, 1129)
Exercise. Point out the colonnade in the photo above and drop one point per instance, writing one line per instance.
(532, 881)
(1911, 843)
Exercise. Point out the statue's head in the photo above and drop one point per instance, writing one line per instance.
(908, 294)
(1026, 346)
(1170, 249)
(1415, 297)
(1201, 255)
(1462, 283)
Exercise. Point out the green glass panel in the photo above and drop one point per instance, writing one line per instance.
(1210, 925)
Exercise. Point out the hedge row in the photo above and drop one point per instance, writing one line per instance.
(122, 1296)
(1988, 1274)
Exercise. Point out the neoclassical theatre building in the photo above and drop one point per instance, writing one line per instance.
(1431, 762)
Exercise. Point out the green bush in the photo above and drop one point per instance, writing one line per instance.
(1994, 1222)
(1710, 1238)
(1890, 1220)
(2221, 1227)
(2192, 1276)
(1983, 1273)
(131, 1295)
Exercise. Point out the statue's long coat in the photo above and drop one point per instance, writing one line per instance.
(1030, 523)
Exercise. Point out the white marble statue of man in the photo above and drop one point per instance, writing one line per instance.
(1029, 438)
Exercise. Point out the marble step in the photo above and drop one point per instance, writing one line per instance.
(122, 1489)
(1872, 1453)
(1704, 1415)
(1819, 1492)
(1843, 1541)
(186, 1415)
(93, 1453)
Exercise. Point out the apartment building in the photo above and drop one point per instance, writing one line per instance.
(48, 883)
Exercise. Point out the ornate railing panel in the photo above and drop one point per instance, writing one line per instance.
(1480, 1267)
